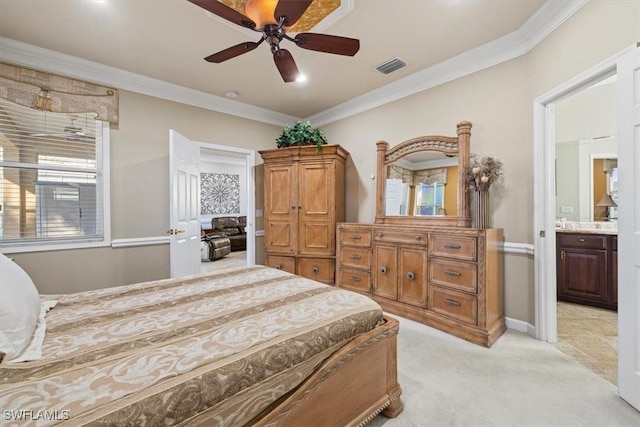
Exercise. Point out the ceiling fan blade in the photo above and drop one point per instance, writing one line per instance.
(327, 43)
(286, 65)
(292, 9)
(232, 52)
(225, 12)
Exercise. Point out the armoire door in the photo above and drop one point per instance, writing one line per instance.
(316, 208)
(281, 208)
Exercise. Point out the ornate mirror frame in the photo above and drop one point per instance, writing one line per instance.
(450, 146)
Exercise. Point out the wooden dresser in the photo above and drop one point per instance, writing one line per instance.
(448, 278)
(304, 200)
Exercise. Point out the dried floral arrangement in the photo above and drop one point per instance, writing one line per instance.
(482, 172)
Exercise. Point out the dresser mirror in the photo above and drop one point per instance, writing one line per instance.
(422, 181)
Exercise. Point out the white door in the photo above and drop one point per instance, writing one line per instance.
(628, 69)
(184, 217)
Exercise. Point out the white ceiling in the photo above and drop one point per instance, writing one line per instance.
(168, 39)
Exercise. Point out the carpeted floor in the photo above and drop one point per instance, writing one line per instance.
(520, 381)
(234, 259)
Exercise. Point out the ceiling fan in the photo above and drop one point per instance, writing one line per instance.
(272, 18)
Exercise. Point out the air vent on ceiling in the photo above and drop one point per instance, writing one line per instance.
(391, 65)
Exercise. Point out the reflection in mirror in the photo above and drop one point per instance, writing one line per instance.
(581, 179)
(422, 184)
(421, 181)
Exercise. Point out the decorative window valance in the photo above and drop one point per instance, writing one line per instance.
(430, 176)
(425, 176)
(50, 92)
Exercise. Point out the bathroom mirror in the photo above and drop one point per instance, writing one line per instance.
(422, 181)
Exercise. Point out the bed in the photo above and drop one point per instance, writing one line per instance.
(250, 346)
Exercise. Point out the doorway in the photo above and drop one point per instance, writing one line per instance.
(586, 123)
(227, 205)
(626, 65)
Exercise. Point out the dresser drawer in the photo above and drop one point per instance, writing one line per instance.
(355, 237)
(355, 280)
(355, 257)
(454, 274)
(461, 247)
(417, 238)
(320, 269)
(590, 241)
(454, 304)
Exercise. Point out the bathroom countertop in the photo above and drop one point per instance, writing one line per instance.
(587, 230)
(587, 227)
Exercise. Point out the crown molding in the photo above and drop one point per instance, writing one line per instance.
(27, 55)
(549, 17)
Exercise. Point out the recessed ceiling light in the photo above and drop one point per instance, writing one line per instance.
(232, 94)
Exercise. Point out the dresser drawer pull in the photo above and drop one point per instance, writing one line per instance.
(354, 279)
(452, 302)
(355, 237)
(354, 256)
(383, 270)
(418, 237)
(410, 275)
(379, 235)
(315, 270)
(452, 273)
(582, 240)
(278, 267)
(451, 246)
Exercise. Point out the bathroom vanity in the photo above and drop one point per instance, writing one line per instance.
(587, 265)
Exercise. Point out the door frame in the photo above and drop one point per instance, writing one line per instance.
(544, 185)
(250, 157)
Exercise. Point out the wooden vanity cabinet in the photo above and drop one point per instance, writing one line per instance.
(304, 199)
(447, 278)
(586, 269)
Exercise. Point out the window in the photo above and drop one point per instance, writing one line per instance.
(53, 180)
(430, 199)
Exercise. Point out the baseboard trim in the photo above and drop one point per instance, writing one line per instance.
(520, 326)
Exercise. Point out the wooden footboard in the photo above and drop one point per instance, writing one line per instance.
(350, 388)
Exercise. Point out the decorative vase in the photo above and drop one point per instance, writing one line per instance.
(480, 209)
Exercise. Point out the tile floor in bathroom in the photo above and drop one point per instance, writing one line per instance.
(590, 335)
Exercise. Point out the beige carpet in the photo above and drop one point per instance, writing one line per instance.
(520, 381)
(234, 259)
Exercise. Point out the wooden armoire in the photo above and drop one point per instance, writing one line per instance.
(304, 199)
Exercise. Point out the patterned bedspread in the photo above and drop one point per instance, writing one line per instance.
(216, 349)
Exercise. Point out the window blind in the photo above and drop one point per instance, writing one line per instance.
(51, 187)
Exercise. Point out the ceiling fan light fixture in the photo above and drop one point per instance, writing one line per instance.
(261, 12)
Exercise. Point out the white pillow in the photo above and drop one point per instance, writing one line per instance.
(19, 309)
